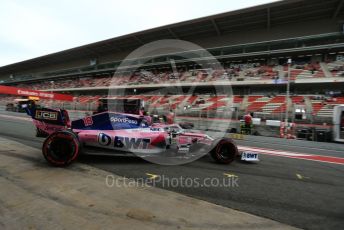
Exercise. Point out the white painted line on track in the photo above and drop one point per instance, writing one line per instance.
(294, 155)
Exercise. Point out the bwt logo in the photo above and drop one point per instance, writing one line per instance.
(124, 142)
(123, 120)
(104, 139)
(46, 115)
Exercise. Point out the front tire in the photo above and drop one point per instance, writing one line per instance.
(225, 151)
(61, 148)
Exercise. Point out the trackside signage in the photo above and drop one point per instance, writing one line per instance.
(34, 93)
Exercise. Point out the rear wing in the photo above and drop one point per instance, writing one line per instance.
(48, 120)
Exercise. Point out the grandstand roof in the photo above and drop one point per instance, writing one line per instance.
(261, 16)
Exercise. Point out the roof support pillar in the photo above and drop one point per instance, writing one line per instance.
(216, 27)
(172, 33)
(138, 39)
(338, 8)
(268, 18)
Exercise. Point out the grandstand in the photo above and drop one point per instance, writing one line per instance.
(252, 45)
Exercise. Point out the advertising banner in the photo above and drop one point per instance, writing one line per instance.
(34, 93)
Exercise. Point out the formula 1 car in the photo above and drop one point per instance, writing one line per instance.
(113, 133)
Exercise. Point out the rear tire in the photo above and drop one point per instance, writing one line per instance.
(40, 133)
(61, 148)
(225, 151)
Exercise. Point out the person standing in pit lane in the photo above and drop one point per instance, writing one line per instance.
(248, 122)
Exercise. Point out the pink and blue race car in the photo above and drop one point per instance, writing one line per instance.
(124, 133)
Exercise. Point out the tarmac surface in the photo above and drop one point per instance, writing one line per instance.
(36, 196)
(301, 193)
